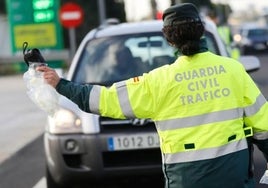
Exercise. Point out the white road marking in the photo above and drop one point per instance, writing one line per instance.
(41, 184)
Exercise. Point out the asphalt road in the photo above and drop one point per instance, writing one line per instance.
(22, 162)
(25, 168)
(20, 120)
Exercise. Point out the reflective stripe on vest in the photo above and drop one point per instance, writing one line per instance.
(124, 99)
(223, 115)
(94, 99)
(251, 110)
(207, 153)
(200, 119)
(95, 94)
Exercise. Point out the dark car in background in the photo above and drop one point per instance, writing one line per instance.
(253, 38)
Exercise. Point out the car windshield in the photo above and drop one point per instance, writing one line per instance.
(257, 32)
(110, 59)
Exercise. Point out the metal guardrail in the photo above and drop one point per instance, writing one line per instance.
(48, 56)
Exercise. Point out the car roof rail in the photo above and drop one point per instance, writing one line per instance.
(109, 22)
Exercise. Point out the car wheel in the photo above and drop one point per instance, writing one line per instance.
(50, 181)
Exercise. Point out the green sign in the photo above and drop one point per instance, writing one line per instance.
(36, 22)
(43, 4)
(43, 11)
(44, 16)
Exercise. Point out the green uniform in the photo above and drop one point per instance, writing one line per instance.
(204, 106)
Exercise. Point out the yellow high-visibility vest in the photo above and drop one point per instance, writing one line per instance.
(200, 105)
(225, 34)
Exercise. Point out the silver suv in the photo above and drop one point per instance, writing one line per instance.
(83, 148)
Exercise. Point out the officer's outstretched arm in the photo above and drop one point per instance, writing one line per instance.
(77, 93)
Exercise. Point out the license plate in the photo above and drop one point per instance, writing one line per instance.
(130, 142)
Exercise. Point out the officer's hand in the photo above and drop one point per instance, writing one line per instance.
(50, 75)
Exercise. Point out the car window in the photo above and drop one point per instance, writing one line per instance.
(257, 32)
(110, 59)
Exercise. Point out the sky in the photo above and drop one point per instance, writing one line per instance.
(244, 4)
(138, 10)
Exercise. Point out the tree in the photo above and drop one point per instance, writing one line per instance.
(223, 12)
(198, 3)
(2, 7)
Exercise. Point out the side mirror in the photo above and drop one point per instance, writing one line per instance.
(251, 63)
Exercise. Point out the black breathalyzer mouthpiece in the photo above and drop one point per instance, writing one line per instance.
(32, 56)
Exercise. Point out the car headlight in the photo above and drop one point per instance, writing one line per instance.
(237, 38)
(64, 121)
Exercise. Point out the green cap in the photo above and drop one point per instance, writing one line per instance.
(180, 14)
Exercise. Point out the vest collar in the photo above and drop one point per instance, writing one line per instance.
(202, 47)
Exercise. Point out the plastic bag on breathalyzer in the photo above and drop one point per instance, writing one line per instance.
(41, 93)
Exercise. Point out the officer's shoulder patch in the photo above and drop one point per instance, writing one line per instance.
(136, 79)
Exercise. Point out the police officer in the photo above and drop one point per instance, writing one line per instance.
(226, 35)
(204, 107)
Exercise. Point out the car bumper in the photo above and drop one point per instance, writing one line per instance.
(84, 158)
(257, 46)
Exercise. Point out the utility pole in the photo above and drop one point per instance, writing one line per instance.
(102, 11)
(154, 8)
(174, 2)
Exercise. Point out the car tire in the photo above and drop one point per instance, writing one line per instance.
(50, 181)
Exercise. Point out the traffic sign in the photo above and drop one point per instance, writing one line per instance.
(71, 15)
(34, 21)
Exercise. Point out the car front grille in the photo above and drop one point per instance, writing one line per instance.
(132, 158)
(125, 158)
(109, 125)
